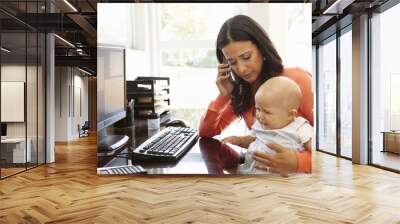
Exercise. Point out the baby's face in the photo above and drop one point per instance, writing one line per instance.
(270, 115)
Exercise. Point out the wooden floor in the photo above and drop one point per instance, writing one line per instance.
(69, 191)
(387, 159)
(10, 171)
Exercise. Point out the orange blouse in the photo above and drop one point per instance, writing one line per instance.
(220, 113)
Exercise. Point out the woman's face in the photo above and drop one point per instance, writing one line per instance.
(245, 59)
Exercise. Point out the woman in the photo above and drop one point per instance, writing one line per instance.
(245, 51)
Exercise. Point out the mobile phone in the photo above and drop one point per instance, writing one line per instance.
(231, 76)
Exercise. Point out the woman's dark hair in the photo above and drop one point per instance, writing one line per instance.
(244, 28)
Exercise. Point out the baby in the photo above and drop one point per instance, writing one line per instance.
(276, 102)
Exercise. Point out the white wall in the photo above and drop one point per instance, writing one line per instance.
(288, 27)
(115, 24)
(61, 103)
(13, 101)
(80, 84)
(267, 16)
(124, 25)
(69, 85)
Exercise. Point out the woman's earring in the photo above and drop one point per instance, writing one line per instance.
(264, 58)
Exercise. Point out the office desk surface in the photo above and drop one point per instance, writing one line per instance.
(207, 156)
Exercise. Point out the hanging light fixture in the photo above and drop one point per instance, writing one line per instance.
(5, 50)
(70, 5)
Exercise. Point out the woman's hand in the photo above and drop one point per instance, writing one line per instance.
(235, 140)
(283, 162)
(224, 83)
(242, 141)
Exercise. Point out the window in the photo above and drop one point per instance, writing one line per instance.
(346, 94)
(299, 35)
(22, 65)
(327, 96)
(385, 84)
(187, 49)
(394, 119)
(187, 38)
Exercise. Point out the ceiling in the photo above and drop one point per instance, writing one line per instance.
(330, 16)
(76, 22)
(75, 43)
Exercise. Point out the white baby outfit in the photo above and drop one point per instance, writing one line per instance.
(292, 136)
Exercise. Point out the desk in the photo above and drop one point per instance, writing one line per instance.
(13, 150)
(207, 156)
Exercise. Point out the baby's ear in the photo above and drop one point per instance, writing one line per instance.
(293, 113)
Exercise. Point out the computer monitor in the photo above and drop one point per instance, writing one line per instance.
(3, 129)
(110, 85)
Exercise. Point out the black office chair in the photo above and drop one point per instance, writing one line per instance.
(84, 130)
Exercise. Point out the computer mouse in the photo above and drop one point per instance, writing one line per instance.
(176, 123)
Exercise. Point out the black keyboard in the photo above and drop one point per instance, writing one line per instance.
(168, 145)
(129, 169)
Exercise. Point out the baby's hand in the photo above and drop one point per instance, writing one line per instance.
(235, 140)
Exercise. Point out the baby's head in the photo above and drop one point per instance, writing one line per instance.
(277, 102)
